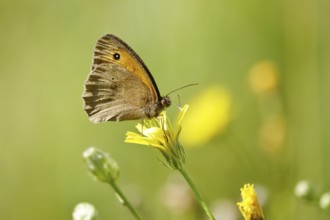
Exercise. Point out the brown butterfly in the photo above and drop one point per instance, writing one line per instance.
(120, 86)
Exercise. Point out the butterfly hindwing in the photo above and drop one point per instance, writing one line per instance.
(106, 96)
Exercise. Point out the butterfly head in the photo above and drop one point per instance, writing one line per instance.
(165, 101)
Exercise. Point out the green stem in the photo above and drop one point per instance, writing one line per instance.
(125, 201)
(198, 196)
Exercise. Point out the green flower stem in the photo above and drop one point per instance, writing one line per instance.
(198, 196)
(125, 201)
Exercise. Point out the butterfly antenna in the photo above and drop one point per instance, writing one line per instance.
(192, 84)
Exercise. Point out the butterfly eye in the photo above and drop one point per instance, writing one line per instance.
(116, 56)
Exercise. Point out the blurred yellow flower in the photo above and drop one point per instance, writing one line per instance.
(208, 117)
(249, 207)
(263, 77)
(273, 133)
(159, 133)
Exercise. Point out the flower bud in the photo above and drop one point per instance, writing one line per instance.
(101, 165)
(305, 191)
(84, 211)
(325, 201)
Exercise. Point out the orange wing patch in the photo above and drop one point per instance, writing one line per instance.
(107, 50)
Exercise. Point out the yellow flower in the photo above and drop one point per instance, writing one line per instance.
(159, 134)
(272, 134)
(263, 77)
(209, 116)
(249, 207)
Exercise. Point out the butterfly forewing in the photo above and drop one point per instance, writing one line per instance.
(109, 47)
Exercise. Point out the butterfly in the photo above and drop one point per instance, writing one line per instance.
(119, 86)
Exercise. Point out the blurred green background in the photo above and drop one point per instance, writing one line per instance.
(45, 55)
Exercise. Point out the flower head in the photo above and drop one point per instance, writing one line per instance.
(159, 133)
(249, 207)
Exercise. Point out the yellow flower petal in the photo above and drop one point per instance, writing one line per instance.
(135, 138)
(182, 113)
